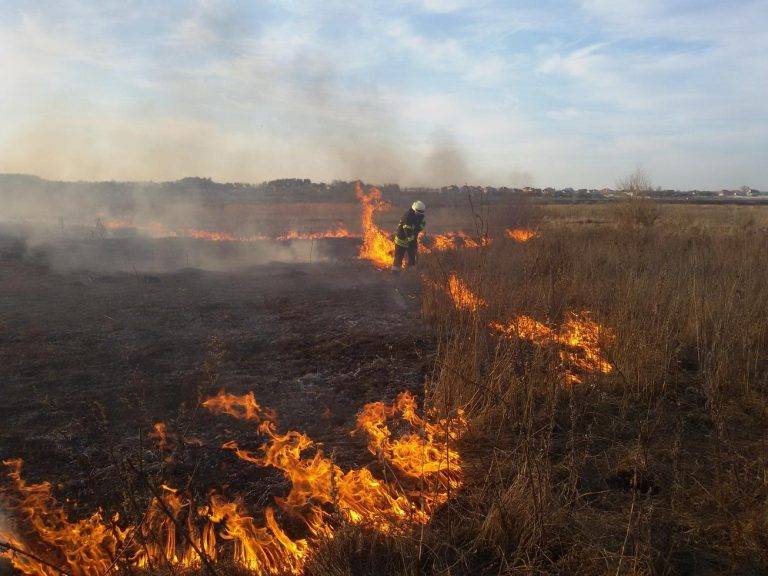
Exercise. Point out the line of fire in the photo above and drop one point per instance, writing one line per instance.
(415, 467)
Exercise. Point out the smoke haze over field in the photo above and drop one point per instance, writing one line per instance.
(408, 91)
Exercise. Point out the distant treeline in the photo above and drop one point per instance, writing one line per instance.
(122, 196)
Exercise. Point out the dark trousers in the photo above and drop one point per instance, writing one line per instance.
(400, 253)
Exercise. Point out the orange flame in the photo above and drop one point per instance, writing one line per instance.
(211, 236)
(520, 234)
(85, 547)
(158, 230)
(242, 407)
(580, 336)
(116, 224)
(463, 298)
(338, 232)
(160, 435)
(377, 246)
(425, 456)
(454, 240)
(175, 532)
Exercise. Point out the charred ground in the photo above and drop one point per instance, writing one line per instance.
(90, 361)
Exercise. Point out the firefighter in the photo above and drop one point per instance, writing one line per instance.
(407, 235)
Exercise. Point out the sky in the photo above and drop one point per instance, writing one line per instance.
(415, 92)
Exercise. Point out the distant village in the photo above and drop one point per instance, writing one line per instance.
(123, 195)
(606, 193)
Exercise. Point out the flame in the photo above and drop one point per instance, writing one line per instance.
(260, 548)
(377, 246)
(152, 229)
(420, 466)
(527, 328)
(243, 407)
(158, 230)
(160, 435)
(580, 336)
(454, 240)
(520, 234)
(211, 236)
(584, 335)
(425, 456)
(84, 548)
(442, 242)
(463, 298)
(337, 232)
(116, 224)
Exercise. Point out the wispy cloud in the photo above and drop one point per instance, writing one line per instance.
(569, 93)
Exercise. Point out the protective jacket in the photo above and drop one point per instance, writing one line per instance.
(411, 224)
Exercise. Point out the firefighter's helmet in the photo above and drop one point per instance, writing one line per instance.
(418, 207)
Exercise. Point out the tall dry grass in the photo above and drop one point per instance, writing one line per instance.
(656, 468)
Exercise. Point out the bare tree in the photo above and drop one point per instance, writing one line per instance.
(638, 209)
(637, 184)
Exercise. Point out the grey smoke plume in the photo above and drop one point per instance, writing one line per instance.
(227, 97)
(445, 163)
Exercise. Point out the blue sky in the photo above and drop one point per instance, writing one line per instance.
(411, 91)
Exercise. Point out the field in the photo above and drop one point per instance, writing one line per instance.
(591, 399)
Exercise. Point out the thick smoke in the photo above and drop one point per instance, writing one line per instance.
(129, 227)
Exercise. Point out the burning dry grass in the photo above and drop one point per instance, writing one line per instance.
(645, 463)
(159, 230)
(176, 531)
(650, 462)
(581, 340)
(462, 297)
(377, 246)
(454, 240)
(520, 234)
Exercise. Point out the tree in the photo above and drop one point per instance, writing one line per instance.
(636, 184)
(639, 209)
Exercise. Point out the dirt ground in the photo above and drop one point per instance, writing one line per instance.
(91, 359)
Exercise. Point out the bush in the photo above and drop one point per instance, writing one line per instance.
(642, 212)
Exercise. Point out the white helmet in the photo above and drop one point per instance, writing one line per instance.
(418, 207)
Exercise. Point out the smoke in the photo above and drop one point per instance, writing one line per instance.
(225, 96)
(445, 163)
(221, 93)
(519, 179)
(144, 256)
(150, 228)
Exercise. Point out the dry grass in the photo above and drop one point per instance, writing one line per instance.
(657, 468)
